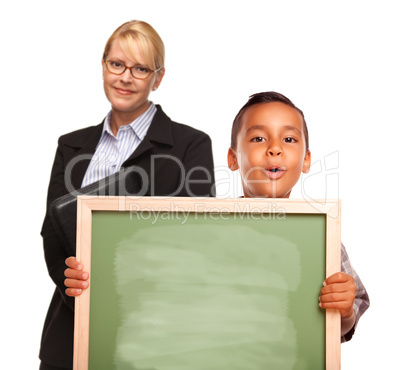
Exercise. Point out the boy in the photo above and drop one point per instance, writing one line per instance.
(270, 148)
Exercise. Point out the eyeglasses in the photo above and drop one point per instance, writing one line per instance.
(138, 71)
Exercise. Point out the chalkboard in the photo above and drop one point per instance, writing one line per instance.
(199, 284)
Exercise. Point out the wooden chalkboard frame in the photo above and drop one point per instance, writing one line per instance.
(87, 204)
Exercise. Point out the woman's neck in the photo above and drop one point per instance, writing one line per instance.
(119, 118)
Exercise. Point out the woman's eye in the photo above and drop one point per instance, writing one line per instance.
(141, 69)
(258, 139)
(290, 140)
(116, 64)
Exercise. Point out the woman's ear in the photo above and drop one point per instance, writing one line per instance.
(158, 79)
(103, 69)
(232, 160)
(307, 162)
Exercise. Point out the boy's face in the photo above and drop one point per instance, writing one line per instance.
(271, 150)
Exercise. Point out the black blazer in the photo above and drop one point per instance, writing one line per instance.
(173, 159)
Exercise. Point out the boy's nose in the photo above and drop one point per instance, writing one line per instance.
(274, 150)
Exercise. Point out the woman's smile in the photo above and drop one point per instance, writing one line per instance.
(122, 91)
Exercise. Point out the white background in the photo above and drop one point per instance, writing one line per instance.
(340, 62)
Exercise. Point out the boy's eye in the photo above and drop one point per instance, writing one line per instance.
(290, 140)
(258, 139)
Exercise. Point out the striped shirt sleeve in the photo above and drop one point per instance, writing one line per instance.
(362, 301)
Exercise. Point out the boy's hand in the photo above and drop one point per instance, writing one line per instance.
(339, 293)
(76, 278)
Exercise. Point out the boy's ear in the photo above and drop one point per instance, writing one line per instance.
(232, 160)
(307, 162)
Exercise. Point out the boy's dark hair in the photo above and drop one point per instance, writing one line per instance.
(262, 98)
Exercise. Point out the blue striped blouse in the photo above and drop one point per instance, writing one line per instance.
(112, 151)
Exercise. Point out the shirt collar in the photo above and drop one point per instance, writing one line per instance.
(140, 125)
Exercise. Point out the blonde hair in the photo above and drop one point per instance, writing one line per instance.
(148, 40)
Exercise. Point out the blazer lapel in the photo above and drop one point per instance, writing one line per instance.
(160, 132)
(83, 147)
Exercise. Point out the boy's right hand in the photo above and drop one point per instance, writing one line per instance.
(76, 280)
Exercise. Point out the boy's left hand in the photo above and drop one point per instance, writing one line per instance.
(339, 293)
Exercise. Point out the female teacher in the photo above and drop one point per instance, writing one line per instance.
(167, 158)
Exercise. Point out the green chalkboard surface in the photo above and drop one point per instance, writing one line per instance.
(205, 291)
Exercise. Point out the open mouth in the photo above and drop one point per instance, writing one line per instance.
(275, 173)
